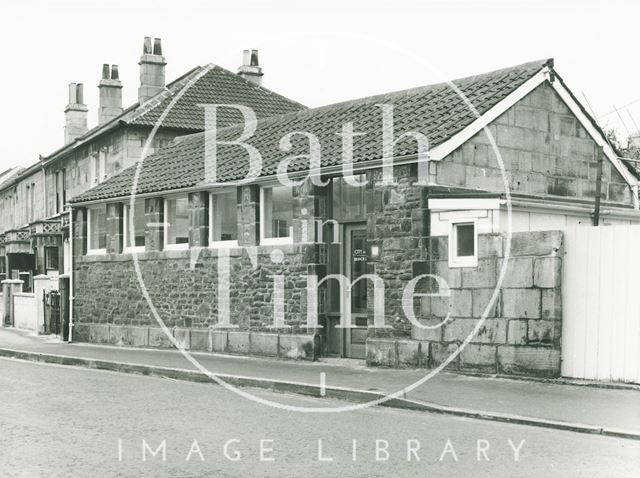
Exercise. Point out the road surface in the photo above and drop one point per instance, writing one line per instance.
(68, 422)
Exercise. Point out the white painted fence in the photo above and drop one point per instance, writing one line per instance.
(601, 303)
(25, 310)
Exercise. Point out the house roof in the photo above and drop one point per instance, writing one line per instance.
(8, 176)
(209, 84)
(435, 110)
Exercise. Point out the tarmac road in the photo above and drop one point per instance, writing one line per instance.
(63, 421)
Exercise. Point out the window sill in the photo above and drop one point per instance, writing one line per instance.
(96, 252)
(137, 249)
(276, 241)
(223, 244)
(459, 262)
(176, 247)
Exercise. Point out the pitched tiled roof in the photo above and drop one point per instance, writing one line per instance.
(209, 84)
(436, 111)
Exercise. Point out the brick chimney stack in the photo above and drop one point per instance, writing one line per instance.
(151, 70)
(250, 69)
(110, 88)
(75, 113)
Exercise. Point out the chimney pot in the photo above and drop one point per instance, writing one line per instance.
(75, 114)
(152, 80)
(157, 46)
(72, 93)
(250, 69)
(110, 94)
(80, 94)
(146, 47)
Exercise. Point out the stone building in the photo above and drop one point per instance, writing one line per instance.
(33, 219)
(228, 266)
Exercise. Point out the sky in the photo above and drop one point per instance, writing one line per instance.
(314, 52)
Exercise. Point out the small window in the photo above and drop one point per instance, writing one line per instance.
(223, 219)
(139, 224)
(51, 259)
(64, 188)
(97, 230)
(115, 144)
(177, 223)
(33, 201)
(463, 244)
(99, 166)
(57, 188)
(276, 207)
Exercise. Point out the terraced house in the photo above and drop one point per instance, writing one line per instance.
(455, 223)
(34, 237)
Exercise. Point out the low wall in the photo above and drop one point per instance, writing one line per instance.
(25, 310)
(294, 346)
(522, 330)
(109, 307)
(184, 289)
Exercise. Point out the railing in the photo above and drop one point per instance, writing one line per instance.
(46, 227)
(17, 235)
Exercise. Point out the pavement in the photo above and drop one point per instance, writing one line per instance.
(597, 410)
(78, 422)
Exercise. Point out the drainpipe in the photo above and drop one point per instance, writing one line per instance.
(44, 190)
(596, 213)
(71, 274)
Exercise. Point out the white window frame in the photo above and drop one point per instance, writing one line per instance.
(172, 247)
(454, 259)
(220, 244)
(271, 241)
(48, 269)
(125, 230)
(90, 250)
(98, 167)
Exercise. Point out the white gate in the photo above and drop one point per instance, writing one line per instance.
(601, 303)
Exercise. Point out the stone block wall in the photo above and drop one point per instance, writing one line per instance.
(291, 346)
(522, 328)
(544, 149)
(121, 149)
(23, 203)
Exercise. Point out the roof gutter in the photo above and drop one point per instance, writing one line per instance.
(323, 171)
(619, 212)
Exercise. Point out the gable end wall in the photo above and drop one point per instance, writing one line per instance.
(545, 151)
